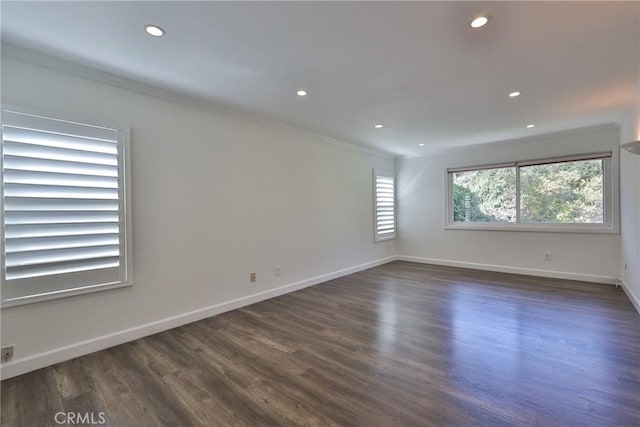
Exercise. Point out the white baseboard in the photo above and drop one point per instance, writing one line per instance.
(514, 270)
(51, 357)
(631, 295)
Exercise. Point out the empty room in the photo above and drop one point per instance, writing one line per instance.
(320, 213)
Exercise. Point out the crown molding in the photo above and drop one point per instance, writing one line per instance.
(507, 142)
(84, 71)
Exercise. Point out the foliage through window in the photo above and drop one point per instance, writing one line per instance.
(570, 190)
(487, 195)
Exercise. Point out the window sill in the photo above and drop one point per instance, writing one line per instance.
(29, 299)
(540, 228)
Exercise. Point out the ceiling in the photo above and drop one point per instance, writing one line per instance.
(416, 67)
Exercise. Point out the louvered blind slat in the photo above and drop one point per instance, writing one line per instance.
(58, 191)
(59, 140)
(21, 259)
(60, 166)
(50, 230)
(61, 198)
(13, 148)
(63, 267)
(60, 242)
(12, 176)
(54, 217)
(59, 204)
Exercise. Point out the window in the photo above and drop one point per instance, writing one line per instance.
(485, 195)
(65, 215)
(572, 193)
(384, 206)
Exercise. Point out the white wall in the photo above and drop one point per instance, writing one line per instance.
(630, 210)
(214, 198)
(421, 214)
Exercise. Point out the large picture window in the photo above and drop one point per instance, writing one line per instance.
(572, 193)
(65, 210)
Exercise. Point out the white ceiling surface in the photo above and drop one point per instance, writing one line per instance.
(417, 67)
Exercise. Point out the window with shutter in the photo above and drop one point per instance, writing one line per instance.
(65, 212)
(384, 206)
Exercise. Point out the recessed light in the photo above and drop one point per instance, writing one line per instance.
(421, 145)
(378, 126)
(479, 21)
(302, 92)
(531, 126)
(514, 94)
(154, 30)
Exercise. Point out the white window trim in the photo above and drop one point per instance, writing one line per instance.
(127, 246)
(377, 238)
(611, 175)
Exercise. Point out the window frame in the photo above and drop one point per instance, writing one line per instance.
(60, 288)
(610, 224)
(376, 238)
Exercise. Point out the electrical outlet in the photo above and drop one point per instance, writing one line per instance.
(277, 270)
(7, 353)
(547, 256)
(252, 277)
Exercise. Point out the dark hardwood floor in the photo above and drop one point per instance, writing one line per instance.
(400, 344)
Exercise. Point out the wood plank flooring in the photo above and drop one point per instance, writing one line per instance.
(400, 344)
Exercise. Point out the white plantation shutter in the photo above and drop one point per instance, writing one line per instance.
(64, 211)
(384, 206)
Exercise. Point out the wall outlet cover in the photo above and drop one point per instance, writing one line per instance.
(7, 353)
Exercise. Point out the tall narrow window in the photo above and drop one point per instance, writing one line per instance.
(65, 224)
(384, 206)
